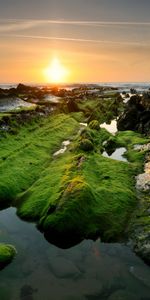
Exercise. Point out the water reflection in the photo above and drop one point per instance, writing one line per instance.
(63, 149)
(112, 127)
(52, 98)
(117, 154)
(89, 270)
(13, 103)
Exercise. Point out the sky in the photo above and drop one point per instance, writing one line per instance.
(93, 40)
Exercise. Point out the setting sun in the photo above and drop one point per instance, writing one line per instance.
(56, 72)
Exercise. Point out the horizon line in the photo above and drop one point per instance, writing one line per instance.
(76, 82)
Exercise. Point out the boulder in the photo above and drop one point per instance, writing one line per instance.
(7, 253)
(136, 115)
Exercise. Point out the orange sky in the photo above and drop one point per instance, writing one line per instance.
(24, 60)
(94, 44)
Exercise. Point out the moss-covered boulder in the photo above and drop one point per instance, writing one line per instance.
(7, 253)
(86, 145)
(73, 216)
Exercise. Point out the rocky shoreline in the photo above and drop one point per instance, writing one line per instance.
(85, 175)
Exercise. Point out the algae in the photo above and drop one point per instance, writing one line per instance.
(7, 253)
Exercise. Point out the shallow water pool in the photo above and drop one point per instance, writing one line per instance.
(117, 154)
(112, 127)
(89, 270)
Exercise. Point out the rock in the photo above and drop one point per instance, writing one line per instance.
(140, 229)
(72, 106)
(142, 246)
(136, 115)
(86, 145)
(63, 268)
(90, 286)
(7, 253)
(142, 275)
(26, 292)
(133, 91)
(145, 147)
(123, 295)
(143, 182)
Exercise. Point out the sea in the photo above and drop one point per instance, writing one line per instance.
(123, 86)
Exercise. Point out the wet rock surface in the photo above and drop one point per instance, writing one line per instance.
(143, 180)
(140, 221)
(136, 115)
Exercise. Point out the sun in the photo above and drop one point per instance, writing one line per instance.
(56, 72)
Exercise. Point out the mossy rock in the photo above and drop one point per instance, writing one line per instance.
(86, 145)
(86, 133)
(72, 216)
(94, 124)
(7, 253)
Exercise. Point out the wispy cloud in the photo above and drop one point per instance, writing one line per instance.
(81, 40)
(15, 25)
(17, 28)
(7, 25)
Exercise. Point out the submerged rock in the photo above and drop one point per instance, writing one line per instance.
(26, 292)
(123, 295)
(63, 268)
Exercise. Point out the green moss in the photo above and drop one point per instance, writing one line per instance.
(86, 195)
(128, 139)
(96, 137)
(45, 192)
(7, 253)
(87, 133)
(78, 193)
(74, 212)
(27, 154)
(112, 181)
(102, 109)
(94, 125)
(86, 145)
(78, 116)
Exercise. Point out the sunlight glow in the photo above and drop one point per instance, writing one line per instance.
(56, 72)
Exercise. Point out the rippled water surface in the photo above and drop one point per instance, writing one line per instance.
(89, 270)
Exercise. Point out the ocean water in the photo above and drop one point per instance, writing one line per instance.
(126, 86)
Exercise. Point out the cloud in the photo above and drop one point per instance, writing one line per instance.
(82, 40)
(15, 25)
(18, 28)
(8, 25)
